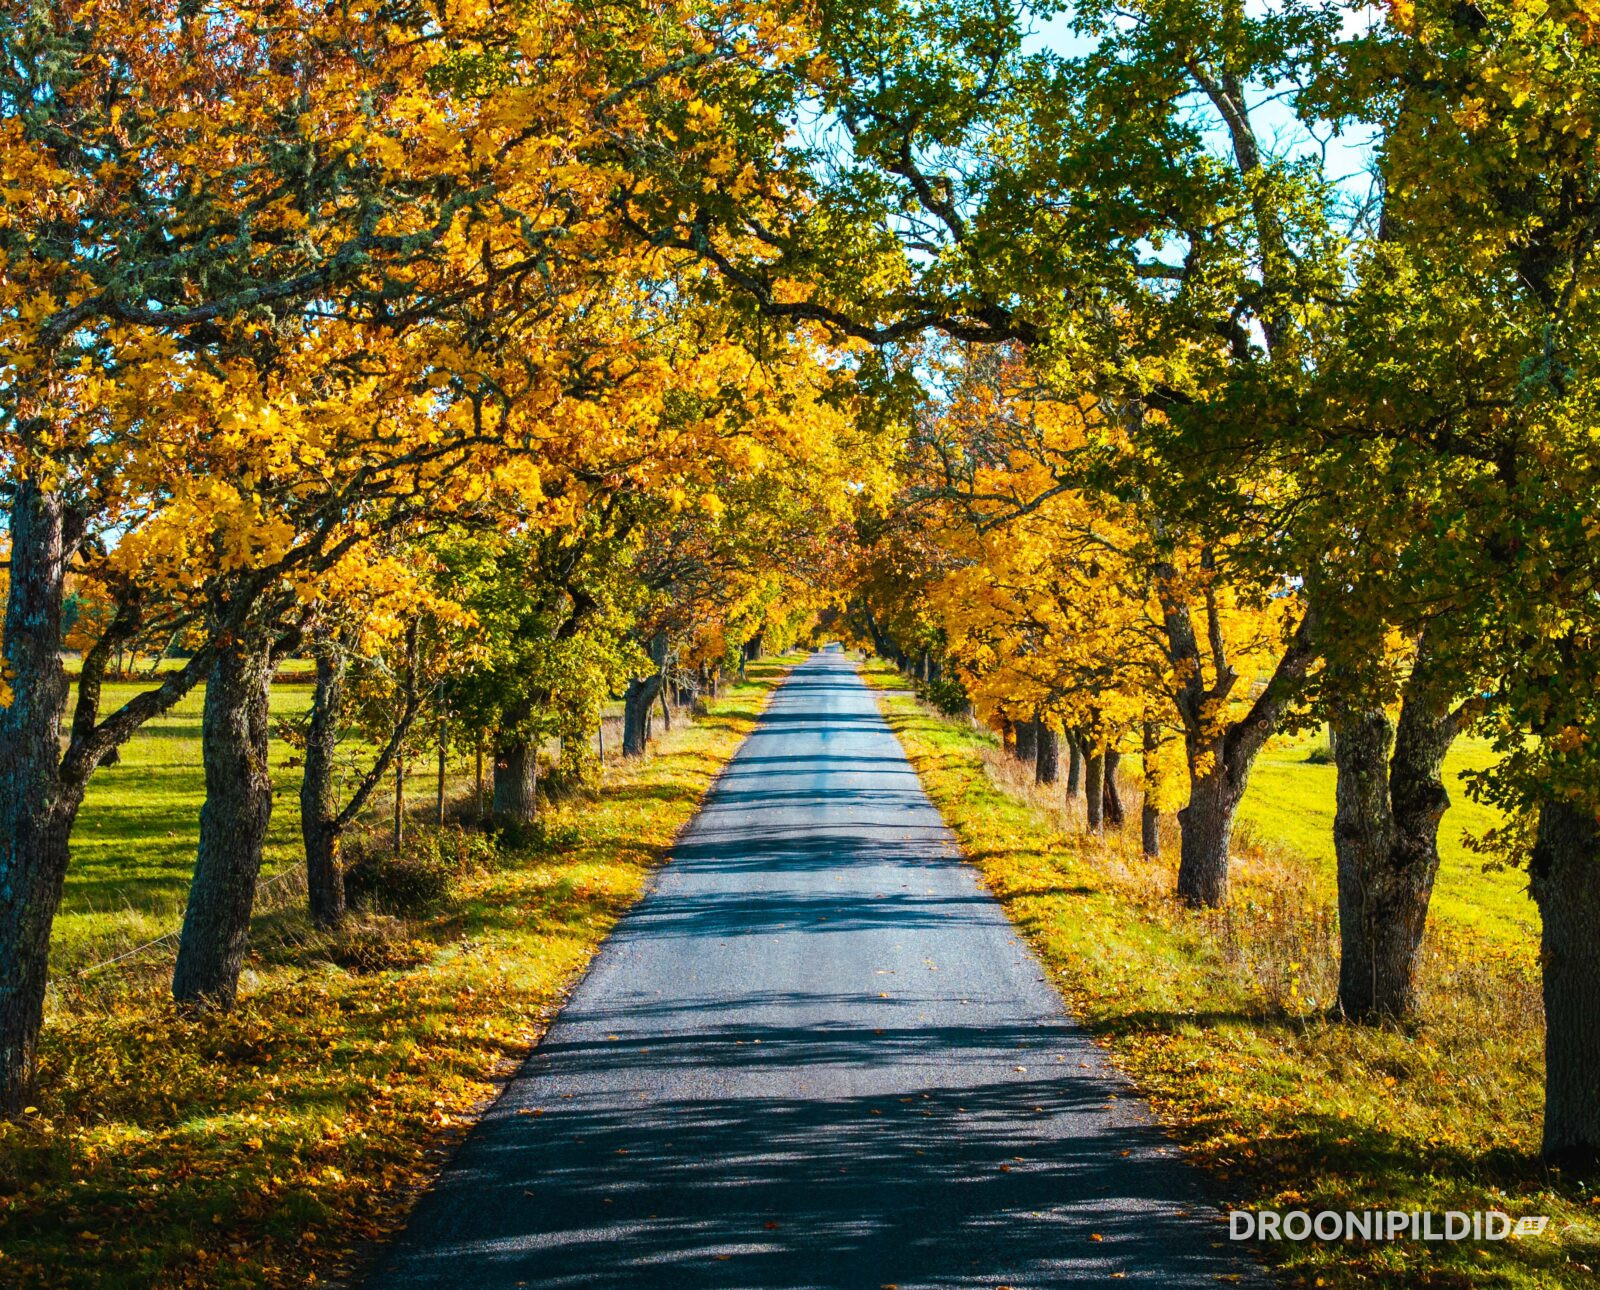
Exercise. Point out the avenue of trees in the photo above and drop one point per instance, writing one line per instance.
(1154, 377)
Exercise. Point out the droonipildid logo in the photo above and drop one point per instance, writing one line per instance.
(1380, 1225)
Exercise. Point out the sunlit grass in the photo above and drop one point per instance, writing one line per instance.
(279, 1143)
(1221, 1019)
(134, 843)
(1289, 804)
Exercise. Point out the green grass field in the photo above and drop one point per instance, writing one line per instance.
(133, 847)
(1222, 1018)
(134, 843)
(1289, 807)
(279, 1144)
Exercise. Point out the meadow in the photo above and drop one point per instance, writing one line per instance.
(398, 1028)
(1289, 807)
(281, 1143)
(1223, 1018)
(133, 847)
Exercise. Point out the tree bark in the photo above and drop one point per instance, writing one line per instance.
(641, 694)
(516, 781)
(1205, 830)
(1074, 766)
(1390, 797)
(36, 809)
(1027, 747)
(233, 827)
(319, 808)
(637, 705)
(1565, 874)
(1220, 758)
(1047, 763)
(1150, 811)
(439, 785)
(399, 834)
(1113, 797)
(1094, 799)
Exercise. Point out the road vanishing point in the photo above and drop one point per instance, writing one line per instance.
(815, 1055)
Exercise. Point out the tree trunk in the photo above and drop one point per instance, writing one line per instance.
(1150, 811)
(36, 809)
(319, 808)
(1390, 797)
(1113, 797)
(1565, 875)
(641, 694)
(1363, 835)
(1047, 762)
(1028, 742)
(233, 827)
(399, 834)
(1074, 766)
(1150, 831)
(1205, 827)
(516, 781)
(1094, 798)
(666, 708)
(1220, 760)
(477, 792)
(637, 705)
(439, 791)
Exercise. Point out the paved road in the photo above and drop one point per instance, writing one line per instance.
(814, 1056)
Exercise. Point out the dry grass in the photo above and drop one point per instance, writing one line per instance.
(1223, 1020)
(275, 1146)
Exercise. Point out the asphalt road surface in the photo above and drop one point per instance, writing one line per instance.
(815, 1055)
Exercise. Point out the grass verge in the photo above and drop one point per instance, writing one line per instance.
(1220, 1019)
(276, 1145)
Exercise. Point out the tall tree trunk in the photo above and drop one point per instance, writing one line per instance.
(1220, 758)
(319, 807)
(1074, 766)
(637, 704)
(36, 808)
(439, 788)
(1150, 811)
(233, 827)
(1113, 796)
(641, 694)
(399, 838)
(477, 792)
(1565, 875)
(1047, 763)
(1363, 835)
(1205, 830)
(666, 707)
(516, 781)
(1390, 797)
(1094, 796)
(1028, 742)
